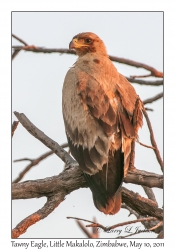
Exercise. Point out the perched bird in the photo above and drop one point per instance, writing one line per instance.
(102, 114)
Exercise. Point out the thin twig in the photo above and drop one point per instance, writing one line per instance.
(153, 71)
(113, 226)
(131, 211)
(153, 142)
(155, 227)
(92, 235)
(144, 145)
(97, 224)
(14, 126)
(143, 76)
(143, 82)
(153, 99)
(33, 163)
(19, 39)
(15, 53)
(149, 109)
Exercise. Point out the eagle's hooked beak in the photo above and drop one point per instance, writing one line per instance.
(74, 44)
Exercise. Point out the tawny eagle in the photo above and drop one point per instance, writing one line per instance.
(102, 115)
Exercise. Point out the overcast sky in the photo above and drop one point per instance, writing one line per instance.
(37, 81)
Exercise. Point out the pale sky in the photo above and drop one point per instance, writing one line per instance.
(37, 81)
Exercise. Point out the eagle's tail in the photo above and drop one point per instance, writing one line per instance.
(106, 189)
(112, 206)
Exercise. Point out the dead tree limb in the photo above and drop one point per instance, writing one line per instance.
(14, 127)
(153, 99)
(34, 162)
(153, 71)
(136, 176)
(154, 144)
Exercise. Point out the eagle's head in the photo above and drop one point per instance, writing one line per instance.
(87, 42)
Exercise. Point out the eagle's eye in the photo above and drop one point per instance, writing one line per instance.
(88, 40)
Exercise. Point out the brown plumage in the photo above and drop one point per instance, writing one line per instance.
(102, 115)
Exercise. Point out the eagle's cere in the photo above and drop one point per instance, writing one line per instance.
(102, 115)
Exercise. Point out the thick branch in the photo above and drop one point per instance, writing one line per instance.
(141, 177)
(140, 204)
(49, 206)
(67, 181)
(50, 185)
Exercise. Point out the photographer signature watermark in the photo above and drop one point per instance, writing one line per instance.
(127, 229)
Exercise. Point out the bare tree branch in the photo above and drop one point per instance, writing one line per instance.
(149, 109)
(152, 99)
(45, 187)
(150, 194)
(93, 235)
(147, 224)
(67, 181)
(14, 127)
(19, 39)
(54, 146)
(153, 71)
(140, 204)
(141, 177)
(108, 228)
(63, 184)
(137, 176)
(144, 145)
(49, 206)
(15, 53)
(34, 162)
(157, 226)
(152, 139)
(143, 82)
